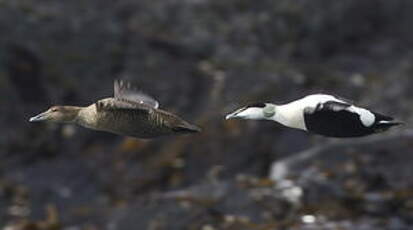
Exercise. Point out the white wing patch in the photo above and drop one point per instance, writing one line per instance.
(367, 118)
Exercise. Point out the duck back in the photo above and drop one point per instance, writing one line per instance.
(138, 120)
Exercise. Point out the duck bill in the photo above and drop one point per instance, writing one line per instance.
(233, 115)
(229, 116)
(39, 117)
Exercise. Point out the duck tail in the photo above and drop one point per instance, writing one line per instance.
(187, 128)
(385, 125)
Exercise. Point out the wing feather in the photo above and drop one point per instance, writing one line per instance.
(121, 104)
(334, 119)
(333, 106)
(124, 91)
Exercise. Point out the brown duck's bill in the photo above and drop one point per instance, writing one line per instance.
(39, 117)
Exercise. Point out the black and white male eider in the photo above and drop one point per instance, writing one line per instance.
(321, 114)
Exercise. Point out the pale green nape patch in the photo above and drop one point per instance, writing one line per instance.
(269, 111)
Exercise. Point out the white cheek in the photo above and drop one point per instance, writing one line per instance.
(252, 113)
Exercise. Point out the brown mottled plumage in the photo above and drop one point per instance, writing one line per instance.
(129, 113)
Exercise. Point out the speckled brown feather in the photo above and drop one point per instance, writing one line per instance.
(129, 112)
(139, 120)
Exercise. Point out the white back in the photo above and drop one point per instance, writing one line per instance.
(292, 114)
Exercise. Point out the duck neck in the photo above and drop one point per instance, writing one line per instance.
(87, 116)
(72, 113)
(280, 115)
(290, 116)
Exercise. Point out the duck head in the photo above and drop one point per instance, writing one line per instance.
(65, 114)
(256, 111)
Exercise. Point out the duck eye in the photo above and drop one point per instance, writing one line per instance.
(54, 110)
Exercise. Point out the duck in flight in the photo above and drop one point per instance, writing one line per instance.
(321, 114)
(129, 113)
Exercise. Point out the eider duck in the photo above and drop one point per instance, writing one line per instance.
(321, 114)
(129, 112)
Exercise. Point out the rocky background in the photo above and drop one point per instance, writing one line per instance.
(202, 59)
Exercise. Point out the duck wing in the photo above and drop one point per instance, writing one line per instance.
(123, 91)
(339, 119)
(347, 112)
(140, 120)
(122, 104)
(327, 107)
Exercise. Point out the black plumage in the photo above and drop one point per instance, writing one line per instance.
(334, 119)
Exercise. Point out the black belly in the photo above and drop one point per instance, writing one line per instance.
(336, 124)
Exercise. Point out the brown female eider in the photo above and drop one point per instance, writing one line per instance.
(129, 112)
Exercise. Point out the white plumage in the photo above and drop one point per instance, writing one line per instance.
(320, 113)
